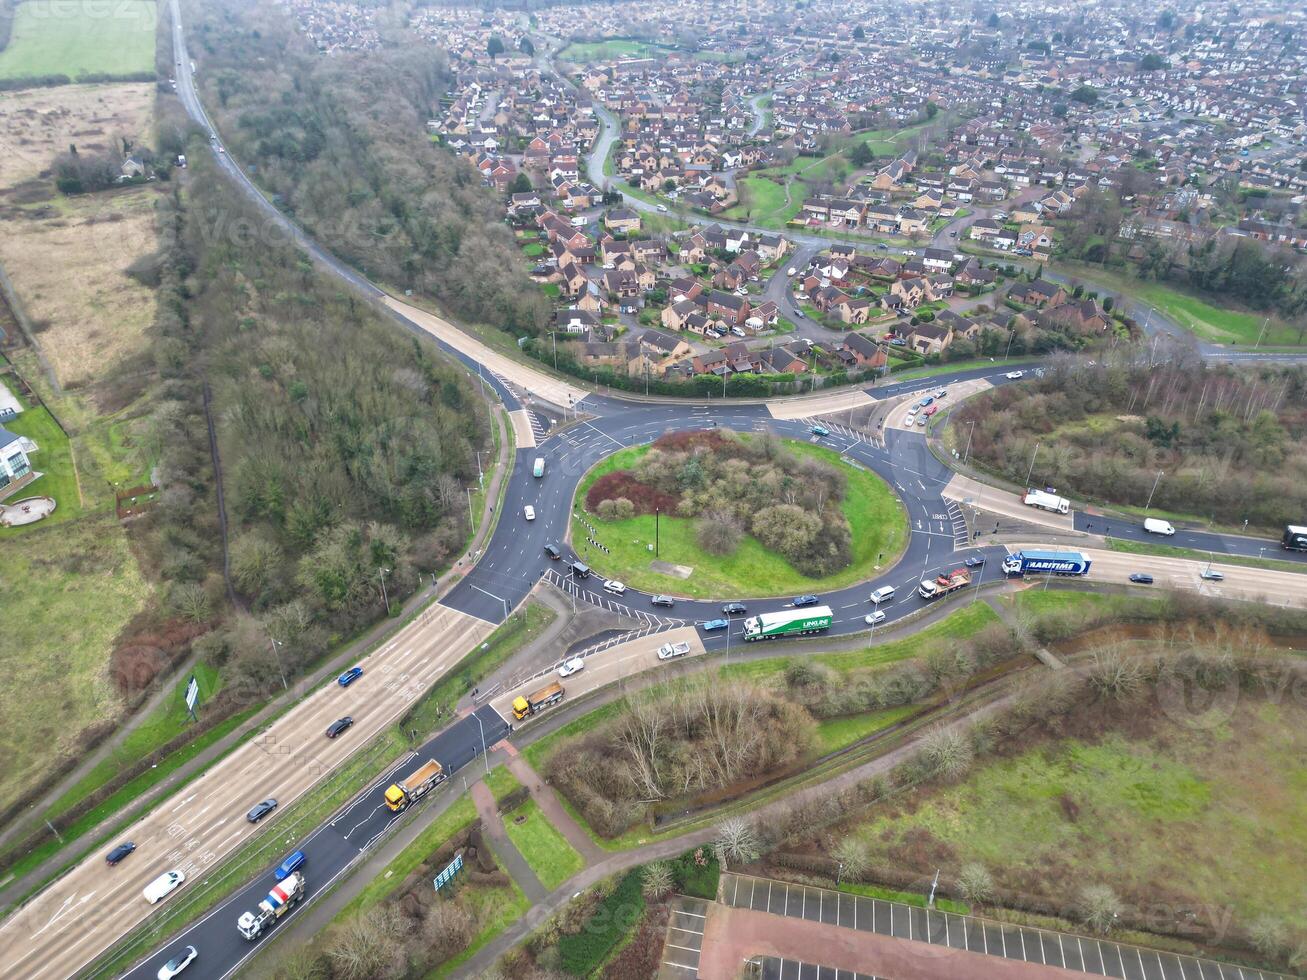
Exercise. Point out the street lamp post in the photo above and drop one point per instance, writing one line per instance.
(1031, 472)
(971, 428)
(485, 755)
(1156, 481)
(470, 520)
(277, 657)
(381, 574)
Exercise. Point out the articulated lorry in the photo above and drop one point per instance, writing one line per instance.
(285, 895)
(537, 701)
(959, 578)
(790, 622)
(1046, 501)
(1034, 561)
(416, 785)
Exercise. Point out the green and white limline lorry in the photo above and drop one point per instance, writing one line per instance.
(790, 622)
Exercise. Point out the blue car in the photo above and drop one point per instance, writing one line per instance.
(714, 624)
(805, 600)
(819, 431)
(925, 402)
(350, 676)
(290, 866)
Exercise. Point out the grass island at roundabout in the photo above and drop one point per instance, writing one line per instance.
(738, 516)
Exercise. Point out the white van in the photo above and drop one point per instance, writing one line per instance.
(1153, 526)
(163, 886)
(614, 586)
(884, 594)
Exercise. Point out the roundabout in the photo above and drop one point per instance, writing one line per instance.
(712, 552)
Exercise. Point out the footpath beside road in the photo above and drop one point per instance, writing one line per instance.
(15, 890)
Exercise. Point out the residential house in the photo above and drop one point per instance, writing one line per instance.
(15, 466)
(622, 220)
(726, 306)
(1040, 292)
(858, 352)
(937, 259)
(929, 338)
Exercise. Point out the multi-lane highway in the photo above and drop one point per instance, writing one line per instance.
(90, 907)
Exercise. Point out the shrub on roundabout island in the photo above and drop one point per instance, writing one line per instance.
(731, 485)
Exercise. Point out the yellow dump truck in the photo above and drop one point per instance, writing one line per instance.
(415, 786)
(541, 699)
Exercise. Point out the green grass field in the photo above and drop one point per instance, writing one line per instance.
(54, 460)
(585, 53)
(68, 591)
(496, 909)
(875, 517)
(71, 38)
(836, 733)
(1207, 321)
(762, 201)
(551, 857)
(165, 723)
(501, 782)
(1193, 813)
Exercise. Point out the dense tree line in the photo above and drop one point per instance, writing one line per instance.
(1229, 441)
(340, 144)
(733, 486)
(675, 744)
(1255, 274)
(344, 445)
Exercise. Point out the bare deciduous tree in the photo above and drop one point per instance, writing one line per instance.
(656, 879)
(737, 841)
(1099, 908)
(853, 856)
(976, 883)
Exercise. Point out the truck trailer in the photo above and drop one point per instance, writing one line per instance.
(789, 622)
(1047, 501)
(546, 697)
(284, 896)
(1295, 538)
(959, 578)
(416, 785)
(1034, 561)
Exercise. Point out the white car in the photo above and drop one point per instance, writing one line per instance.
(909, 251)
(662, 208)
(614, 586)
(800, 314)
(872, 618)
(1013, 375)
(178, 963)
(571, 667)
(529, 512)
(163, 886)
(669, 650)
(791, 271)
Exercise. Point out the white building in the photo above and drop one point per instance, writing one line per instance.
(14, 464)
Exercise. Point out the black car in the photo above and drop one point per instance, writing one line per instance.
(805, 600)
(552, 551)
(338, 726)
(975, 561)
(119, 852)
(261, 810)
(734, 609)
(665, 601)
(1141, 578)
(579, 570)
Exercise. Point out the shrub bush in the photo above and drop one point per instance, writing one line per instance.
(581, 953)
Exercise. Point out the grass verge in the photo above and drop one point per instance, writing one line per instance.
(80, 42)
(1172, 551)
(454, 820)
(551, 857)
